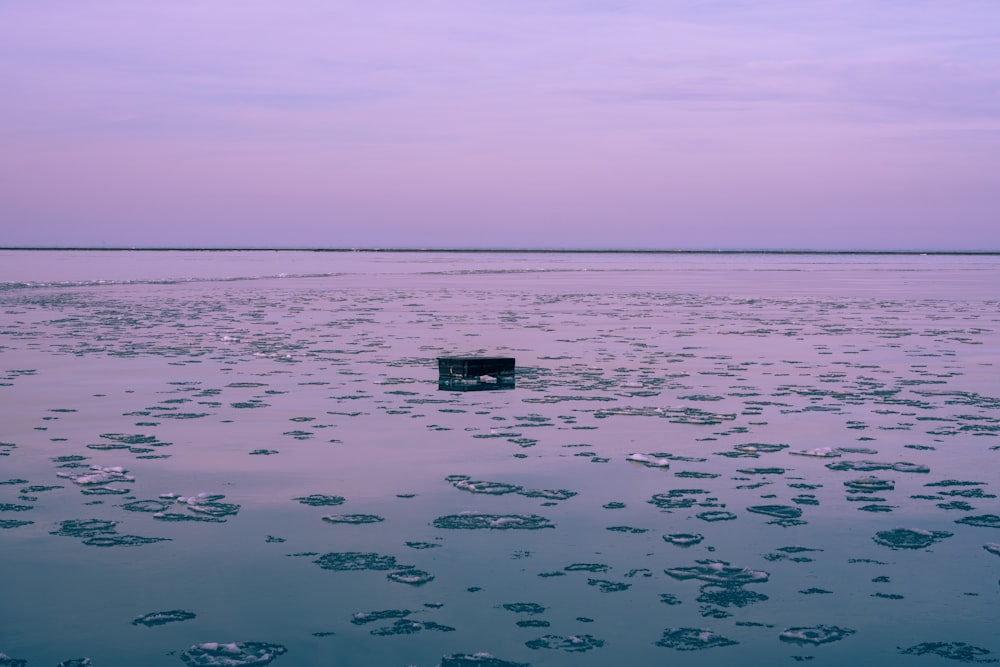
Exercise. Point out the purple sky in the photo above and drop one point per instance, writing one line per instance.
(515, 123)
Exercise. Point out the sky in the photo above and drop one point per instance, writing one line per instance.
(623, 124)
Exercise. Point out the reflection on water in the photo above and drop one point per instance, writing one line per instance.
(705, 459)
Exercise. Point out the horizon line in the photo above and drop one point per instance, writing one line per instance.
(512, 250)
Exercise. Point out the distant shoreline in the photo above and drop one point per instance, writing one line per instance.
(499, 251)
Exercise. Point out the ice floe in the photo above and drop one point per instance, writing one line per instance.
(909, 538)
(719, 572)
(815, 635)
(820, 452)
(648, 460)
(355, 560)
(480, 659)
(571, 644)
(98, 475)
(692, 639)
(163, 617)
(684, 539)
(480, 520)
(353, 519)
(233, 654)
(959, 651)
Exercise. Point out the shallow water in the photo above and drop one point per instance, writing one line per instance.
(351, 513)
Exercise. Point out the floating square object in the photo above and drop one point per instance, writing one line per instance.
(475, 373)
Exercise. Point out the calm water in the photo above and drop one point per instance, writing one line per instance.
(350, 513)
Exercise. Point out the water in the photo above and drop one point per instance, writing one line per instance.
(351, 513)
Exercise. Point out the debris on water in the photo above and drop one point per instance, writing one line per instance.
(909, 538)
(692, 639)
(234, 654)
(815, 635)
(479, 520)
(163, 617)
(571, 644)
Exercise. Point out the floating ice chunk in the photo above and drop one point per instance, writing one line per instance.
(7, 661)
(75, 662)
(870, 483)
(355, 560)
(817, 634)
(992, 547)
(571, 644)
(480, 659)
(909, 538)
(821, 452)
(163, 617)
(410, 576)
(692, 639)
(684, 539)
(719, 572)
(353, 519)
(649, 460)
(234, 654)
(363, 617)
(479, 520)
(98, 475)
(959, 651)
(981, 521)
